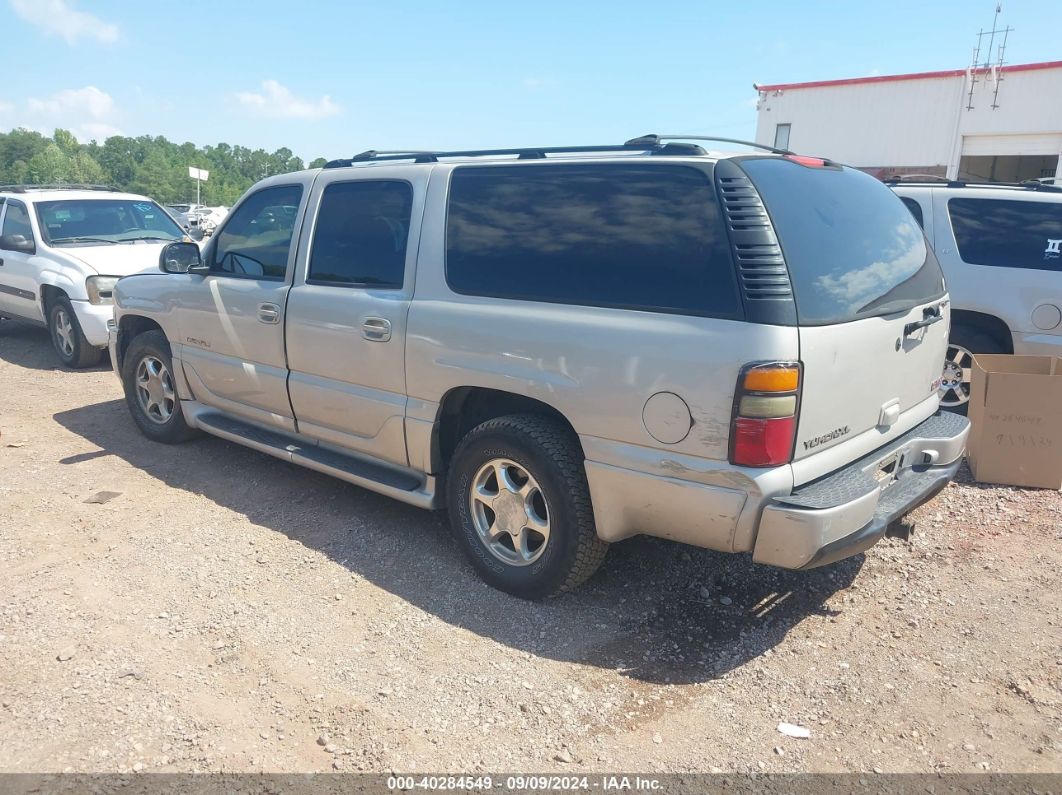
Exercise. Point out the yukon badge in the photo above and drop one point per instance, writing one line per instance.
(811, 444)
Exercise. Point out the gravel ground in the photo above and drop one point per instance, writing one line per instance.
(224, 611)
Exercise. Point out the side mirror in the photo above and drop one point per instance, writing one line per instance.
(181, 258)
(18, 243)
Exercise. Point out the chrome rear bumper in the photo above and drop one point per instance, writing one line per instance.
(848, 511)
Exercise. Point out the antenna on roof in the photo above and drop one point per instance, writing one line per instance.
(993, 69)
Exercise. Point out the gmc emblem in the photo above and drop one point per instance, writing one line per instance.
(811, 444)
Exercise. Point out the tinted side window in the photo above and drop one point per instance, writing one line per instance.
(361, 234)
(16, 224)
(915, 208)
(1008, 234)
(635, 236)
(256, 240)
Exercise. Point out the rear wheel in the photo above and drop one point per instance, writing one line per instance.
(519, 506)
(67, 337)
(964, 343)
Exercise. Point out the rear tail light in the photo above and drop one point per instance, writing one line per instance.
(766, 403)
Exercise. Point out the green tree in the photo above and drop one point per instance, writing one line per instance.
(66, 141)
(146, 164)
(85, 170)
(50, 164)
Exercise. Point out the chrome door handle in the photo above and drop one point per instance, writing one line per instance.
(268, 313)
(376, 329)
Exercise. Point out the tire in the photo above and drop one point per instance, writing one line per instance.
(542, 458)
(964, 342)
(68, 339)
(150, 392)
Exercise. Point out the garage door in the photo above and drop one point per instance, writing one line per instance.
(996, 145)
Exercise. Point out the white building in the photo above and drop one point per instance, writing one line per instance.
(995, 124)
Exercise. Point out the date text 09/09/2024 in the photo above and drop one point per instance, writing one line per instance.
(523, 783)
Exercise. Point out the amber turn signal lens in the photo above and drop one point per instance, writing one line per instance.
(772, 379)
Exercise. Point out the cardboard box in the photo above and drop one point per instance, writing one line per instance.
(1016, 420)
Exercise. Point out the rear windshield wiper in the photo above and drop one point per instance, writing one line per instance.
(81, 240)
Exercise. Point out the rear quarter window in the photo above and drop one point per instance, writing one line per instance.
(632, 236)
(1003, 233)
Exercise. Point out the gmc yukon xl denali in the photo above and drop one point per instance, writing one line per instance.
(566, 347)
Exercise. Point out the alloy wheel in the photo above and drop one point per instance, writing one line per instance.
(64, 332)
(955, 381)
(509, 512)
(154, 390)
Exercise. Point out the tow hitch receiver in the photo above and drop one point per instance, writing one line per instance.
(902, 528)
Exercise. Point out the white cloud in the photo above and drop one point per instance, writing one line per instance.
(6, 107)
(58, 18)
(278, 102)
(87, 112)
(89, 101)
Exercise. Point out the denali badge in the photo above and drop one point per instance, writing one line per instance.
(811, 444)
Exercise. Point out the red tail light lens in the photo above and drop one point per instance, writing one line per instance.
(763, 443)
(766, 403)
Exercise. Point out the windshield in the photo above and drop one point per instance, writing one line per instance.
(853, 249)
(72, 222)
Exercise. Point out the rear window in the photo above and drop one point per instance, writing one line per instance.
(633, 236)
(1008, 234)
(853, 249)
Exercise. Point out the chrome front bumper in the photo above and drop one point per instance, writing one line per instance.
(847, 511)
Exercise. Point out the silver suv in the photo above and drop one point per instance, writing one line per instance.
(1001, 249)
(566, 347)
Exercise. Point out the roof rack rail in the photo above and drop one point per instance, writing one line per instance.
(58, 186)
(929, 179)
(914, 178)
(652, 139)
(522, 153)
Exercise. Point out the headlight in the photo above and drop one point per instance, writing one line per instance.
(100, 289)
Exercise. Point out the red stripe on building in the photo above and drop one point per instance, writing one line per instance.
(1024, 67)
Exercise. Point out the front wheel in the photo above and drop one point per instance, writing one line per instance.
(520, 507)
(68, 339)
(150, 392)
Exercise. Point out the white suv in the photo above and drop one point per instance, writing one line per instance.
(61, 252)
(1000, 247)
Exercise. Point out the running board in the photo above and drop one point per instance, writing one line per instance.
(404, 485)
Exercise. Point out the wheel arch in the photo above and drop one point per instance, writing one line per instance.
(48, 295)
(986, 323)
(463, 408)
(129, 328)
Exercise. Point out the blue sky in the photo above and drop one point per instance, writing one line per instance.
(333, 78)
